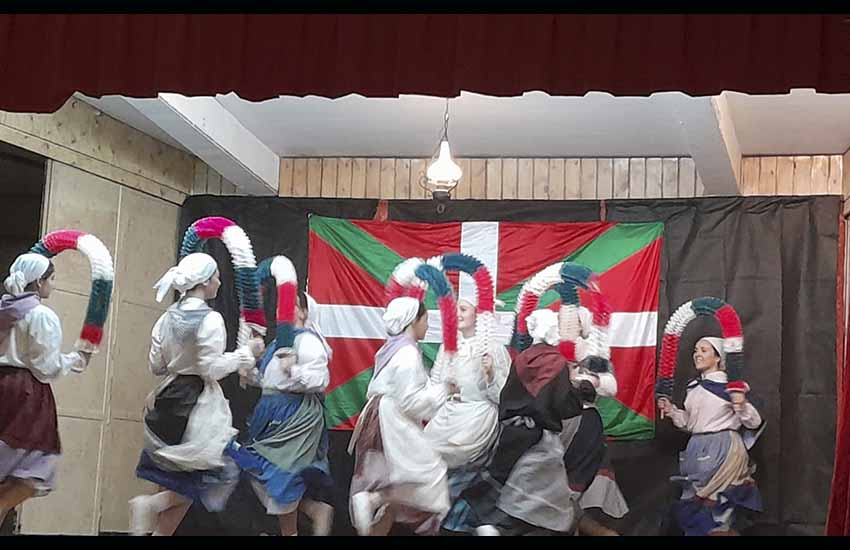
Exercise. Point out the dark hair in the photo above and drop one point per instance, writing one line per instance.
(586, 391)
(50, 269)
(302, 300)
(596, 364)
(419, 313)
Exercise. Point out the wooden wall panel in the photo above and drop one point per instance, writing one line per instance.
(541, 178)
(767, 176)
(687, 177)
(587, 185)
(540, 188)
(494, 179)
(510, 174)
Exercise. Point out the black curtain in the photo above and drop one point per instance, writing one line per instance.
(773, 258)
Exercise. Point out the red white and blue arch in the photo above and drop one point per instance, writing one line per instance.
(251, 314)
(102, 274)
(566, 278)
(281, 270)
(733, 342)
(413, 277)
(486, 298)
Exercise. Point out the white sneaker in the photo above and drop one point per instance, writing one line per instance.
(487, 531)
(362, 512)
(143, 516)
(323, 517)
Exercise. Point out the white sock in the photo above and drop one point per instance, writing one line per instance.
(164, 500)
(160, 501)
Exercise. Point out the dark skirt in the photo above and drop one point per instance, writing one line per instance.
(170, 414)
(460, 517)
(168, 420)
(587, 452)
(27, 412)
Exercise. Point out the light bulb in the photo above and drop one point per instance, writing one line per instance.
(444, 170)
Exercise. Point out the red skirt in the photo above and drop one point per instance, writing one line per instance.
(27, 412)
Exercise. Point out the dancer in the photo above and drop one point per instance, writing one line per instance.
(524, 486)
(465, 428)
(716, 473)
(187, 422)
(398, 477)
(587, 460)
(30, 359)
(287, 455)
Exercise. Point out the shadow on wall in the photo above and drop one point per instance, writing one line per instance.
(22, 183)
(22, 179)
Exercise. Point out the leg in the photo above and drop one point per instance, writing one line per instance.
(169, 520)
(384, 524)
(592, 528)
(320, 514)
(14, 492)
(288, 523)
(161, 512)
(364, 506)
(287, 514)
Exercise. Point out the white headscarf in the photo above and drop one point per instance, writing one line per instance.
(400, 313)
(192, 270)
(26, 269)
(543, 327)
(313, 323)
(312, 314)
(717, 344)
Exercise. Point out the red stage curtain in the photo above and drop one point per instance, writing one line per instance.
(838, 518)
(45, 58)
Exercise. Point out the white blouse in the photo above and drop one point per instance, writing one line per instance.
(467, 373)
(463, 427)
(404, 381)
(206, 358)
(310, 372)
(210, 426)
(35, 343)
(705, 412)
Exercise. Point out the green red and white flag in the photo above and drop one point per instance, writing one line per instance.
(351, 260)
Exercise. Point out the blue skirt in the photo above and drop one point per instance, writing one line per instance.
(287, 451)
(699, 464)
(212, 488)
